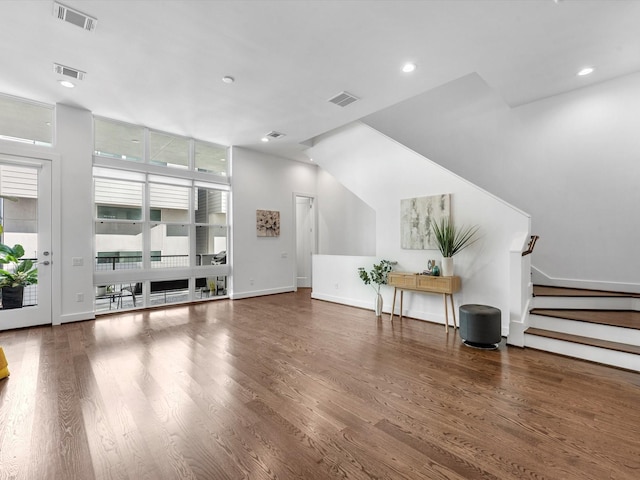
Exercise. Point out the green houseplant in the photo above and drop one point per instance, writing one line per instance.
(376, 276)
(452, 240)
(14, 279)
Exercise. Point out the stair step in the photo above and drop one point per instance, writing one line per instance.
(543, 290)
(614, 318)
(593, 342)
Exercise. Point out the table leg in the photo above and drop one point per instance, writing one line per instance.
(393, 305)
(453, 310)
(446, 313)
(401, 299)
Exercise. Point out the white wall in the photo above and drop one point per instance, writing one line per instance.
(571, 161)
(265, 265)
(74, 143)
(347, 225)
(381, 172)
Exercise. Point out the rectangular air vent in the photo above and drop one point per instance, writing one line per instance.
(75, 17)
(274, 135)
(68, 71)
(343, 99)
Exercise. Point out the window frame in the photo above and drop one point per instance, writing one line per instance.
(117, 168)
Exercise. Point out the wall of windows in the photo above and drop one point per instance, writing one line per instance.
(160, 217)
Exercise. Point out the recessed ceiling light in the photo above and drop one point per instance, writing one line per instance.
(228, 79)
(264, 139)
(66, 83)
(408, 67)
(585, 71)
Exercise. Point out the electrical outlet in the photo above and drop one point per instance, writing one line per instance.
(251, 281)
(337, 285)
(79, 297)
(77, 261)
(284, 254)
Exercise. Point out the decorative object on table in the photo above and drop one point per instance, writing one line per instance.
(4, 365)
(417, 215)
(17, 273)
(452, 240)
(432, 268)
(378, 276)
(268, 223)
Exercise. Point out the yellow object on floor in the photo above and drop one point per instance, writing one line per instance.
(4, 366)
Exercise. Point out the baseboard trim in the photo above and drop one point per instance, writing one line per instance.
(261, 293)
(76, 317)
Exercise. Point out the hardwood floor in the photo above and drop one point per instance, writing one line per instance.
(285, 387)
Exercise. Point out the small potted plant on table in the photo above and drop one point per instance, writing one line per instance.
(452, 240)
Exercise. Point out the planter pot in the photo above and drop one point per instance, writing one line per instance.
(12, 297)
(378, 306)
(447, 266)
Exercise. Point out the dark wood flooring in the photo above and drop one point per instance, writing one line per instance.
(285, 387)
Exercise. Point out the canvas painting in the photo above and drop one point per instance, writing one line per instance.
(416, 215)
(268, 223)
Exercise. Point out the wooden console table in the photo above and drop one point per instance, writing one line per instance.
(447, 286)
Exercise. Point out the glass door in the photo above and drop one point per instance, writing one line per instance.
(25, 211)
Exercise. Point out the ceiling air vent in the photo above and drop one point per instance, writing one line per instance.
(343, 99)
(274, 134)
(68, 71)
(75, 17)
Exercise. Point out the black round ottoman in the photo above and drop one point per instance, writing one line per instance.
(480, 326)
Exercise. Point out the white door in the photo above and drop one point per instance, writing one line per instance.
(305, 240)
(25, 207)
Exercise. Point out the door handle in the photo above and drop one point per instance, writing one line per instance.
(46, 262)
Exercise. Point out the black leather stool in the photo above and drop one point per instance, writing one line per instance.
(480, 326)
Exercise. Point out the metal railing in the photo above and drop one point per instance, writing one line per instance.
(134, 262)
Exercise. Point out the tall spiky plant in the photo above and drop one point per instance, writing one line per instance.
(452, 240)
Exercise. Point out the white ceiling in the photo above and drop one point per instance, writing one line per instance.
(160, 63)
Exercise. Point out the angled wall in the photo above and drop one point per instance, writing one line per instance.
(570, 160)
(382, 172)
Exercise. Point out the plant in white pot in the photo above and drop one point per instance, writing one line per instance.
(378, 276)
(452, 240)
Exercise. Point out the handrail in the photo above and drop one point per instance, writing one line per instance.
(532, 244)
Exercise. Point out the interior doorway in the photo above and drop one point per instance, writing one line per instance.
(305, 239)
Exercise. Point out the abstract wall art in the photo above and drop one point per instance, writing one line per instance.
(268, 223)
(416, 215)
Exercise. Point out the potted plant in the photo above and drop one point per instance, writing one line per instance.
(378, 276)
(452, 240)
(14, 279)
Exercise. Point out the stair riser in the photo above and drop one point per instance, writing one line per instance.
(585, 352)
(586, 329)
(586, 303)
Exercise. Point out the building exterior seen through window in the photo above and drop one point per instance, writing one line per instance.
(169, 217)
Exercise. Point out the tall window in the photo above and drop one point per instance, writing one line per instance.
(161, 222)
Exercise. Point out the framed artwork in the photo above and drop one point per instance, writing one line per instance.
(268, 223)
(416, 215)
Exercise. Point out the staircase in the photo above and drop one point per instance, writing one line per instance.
(598, 326)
